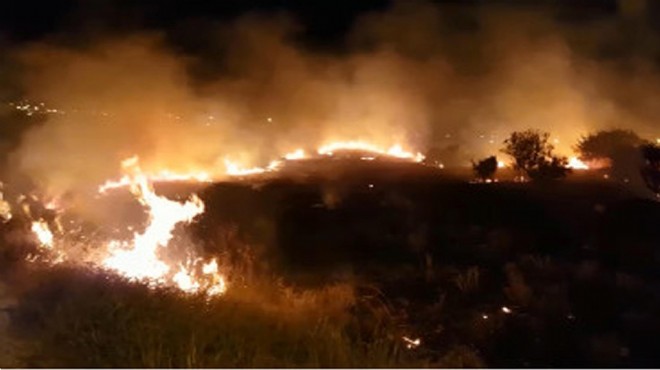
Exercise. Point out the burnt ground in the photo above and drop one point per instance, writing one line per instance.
(575, 262)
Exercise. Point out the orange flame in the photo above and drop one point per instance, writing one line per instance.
(576, 164)
(396, 150)
(42, 232)
(139, 259)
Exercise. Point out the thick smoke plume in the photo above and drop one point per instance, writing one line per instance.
(454, 79)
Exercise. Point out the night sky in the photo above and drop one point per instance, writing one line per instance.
(324, 22)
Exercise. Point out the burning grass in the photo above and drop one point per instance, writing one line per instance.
(80, 318)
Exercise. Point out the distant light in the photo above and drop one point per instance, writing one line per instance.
(269, 119)
(506, 309)
(484, 316)
(371, 186)
(606, 176)
(501, 164)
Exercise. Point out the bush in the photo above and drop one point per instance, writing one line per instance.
(485, 169)
(532, 155)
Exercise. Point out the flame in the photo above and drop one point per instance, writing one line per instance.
(44, 235)
(185, 281)
(235, 169)
(139, 259)
(5, 208)
(576, 164)
(396, 150)
(297, 154)
(164, 175)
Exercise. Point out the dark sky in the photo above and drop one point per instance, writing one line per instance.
(325, 22)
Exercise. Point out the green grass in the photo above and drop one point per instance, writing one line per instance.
(73, 318)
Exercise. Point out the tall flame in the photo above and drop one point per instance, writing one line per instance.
(139, 259)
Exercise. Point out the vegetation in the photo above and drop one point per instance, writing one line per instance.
(612, 145)
(73, 318)
(532, 155)
(485, 169)
(618, 147)
(651, 169)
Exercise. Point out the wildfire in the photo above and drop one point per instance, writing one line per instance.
(164, 175)
(235, 169)
(43, 233)
(576, 164)
(297, 154)
(139, 259)
(396, 150)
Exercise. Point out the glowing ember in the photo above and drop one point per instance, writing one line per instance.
(576, 164)
(396, 151)
(412, 343)
(501, 164)
(506, 309)
(43, 233)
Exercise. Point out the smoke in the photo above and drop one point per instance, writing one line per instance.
(457, 79)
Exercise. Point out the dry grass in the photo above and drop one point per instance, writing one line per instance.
(74, 318)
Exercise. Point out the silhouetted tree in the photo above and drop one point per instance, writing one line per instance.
(607, 144)
(651, 169)
(619, 147)
(554, 168)
(485, 168)
(532, 155)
